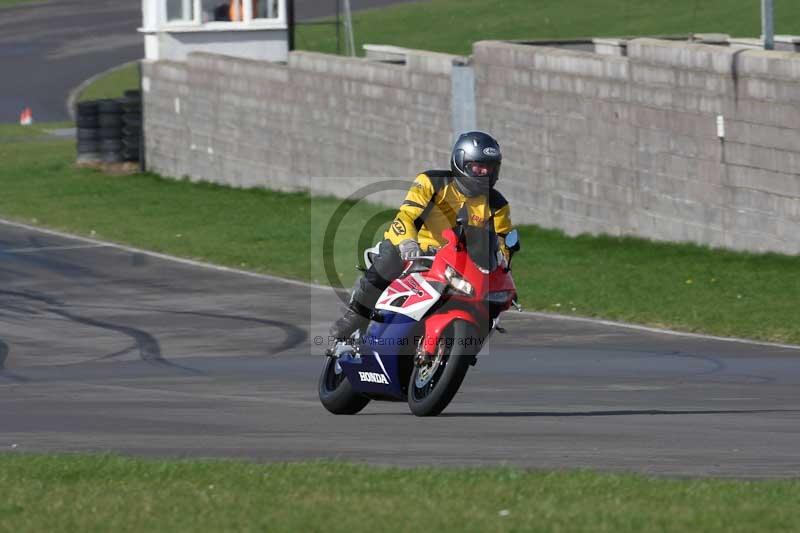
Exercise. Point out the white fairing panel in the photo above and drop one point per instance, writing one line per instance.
(411, 296)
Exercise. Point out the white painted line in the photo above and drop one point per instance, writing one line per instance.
(648, 329)
(314, 286)
(51, 248)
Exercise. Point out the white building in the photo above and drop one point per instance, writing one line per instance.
(255, 29)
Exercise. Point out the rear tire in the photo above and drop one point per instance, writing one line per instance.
(430, 395)
(336, 393)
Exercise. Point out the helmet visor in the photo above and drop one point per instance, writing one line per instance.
(480, 170)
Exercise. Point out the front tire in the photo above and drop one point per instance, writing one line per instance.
(336, 393)
(431, 388)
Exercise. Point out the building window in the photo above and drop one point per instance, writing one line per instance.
(216, 10)
(266, 9)
(180, 10)
(238, 10)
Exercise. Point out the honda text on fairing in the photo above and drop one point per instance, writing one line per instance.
(428, 327)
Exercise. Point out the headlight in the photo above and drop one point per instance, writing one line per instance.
(457, 282)
(498, 297)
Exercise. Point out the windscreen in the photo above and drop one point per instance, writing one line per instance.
(482, 245)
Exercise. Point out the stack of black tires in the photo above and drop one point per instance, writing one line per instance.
(110, 131)
(88, 125)
(131, 125)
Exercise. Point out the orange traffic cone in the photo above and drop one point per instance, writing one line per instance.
(26, 117)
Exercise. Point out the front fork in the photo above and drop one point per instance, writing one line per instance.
(435, 326)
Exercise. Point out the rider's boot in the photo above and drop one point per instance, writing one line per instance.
(386, 266)
(354, 318)
(358, 311)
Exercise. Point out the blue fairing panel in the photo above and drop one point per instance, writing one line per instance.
(378, 370)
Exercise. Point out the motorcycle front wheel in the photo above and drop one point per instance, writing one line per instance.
(336, 393)
(432, 386)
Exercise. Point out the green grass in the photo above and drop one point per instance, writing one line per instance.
(10, 132)
(12, 3)
(106, 493)
(453, 25)
(193, 220)
(13, 133)
(113, 84)
(686, 287)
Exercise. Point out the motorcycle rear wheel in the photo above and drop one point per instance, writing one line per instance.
(335, 392)
(431, 389)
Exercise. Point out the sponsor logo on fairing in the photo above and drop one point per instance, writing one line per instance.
(373, 377)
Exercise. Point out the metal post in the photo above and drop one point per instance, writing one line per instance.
(290, 22)
(338, 26)
(142, 143)
(348, 26)
(768, 24)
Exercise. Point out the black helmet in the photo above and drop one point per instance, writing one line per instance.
(476, 163)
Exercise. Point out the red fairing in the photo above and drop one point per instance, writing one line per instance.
(436, 324)
(474, 308)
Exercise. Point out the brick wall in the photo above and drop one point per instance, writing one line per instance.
(629, 145)
(251, 123)
(593, 143)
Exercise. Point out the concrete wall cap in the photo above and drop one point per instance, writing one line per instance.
(168, 63)
(303, 60)
(195, 57)
(433, 62)
(770, 64)
(611, 41)
(746, 42)
(712, 38)
(385, 52)
(773, 54)
(692, 56)
(413, 57)
(534, 48)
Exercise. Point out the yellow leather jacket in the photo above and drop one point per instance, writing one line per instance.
(432, 205)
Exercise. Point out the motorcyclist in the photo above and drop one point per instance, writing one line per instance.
(431, 206)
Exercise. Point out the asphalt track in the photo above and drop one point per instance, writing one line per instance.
(49, 48)
(108, 349)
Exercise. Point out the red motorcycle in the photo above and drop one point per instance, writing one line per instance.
(428, 327)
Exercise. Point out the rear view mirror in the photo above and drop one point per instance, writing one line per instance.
(512, 241)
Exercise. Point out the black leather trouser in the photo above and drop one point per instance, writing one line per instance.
(386, 266)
